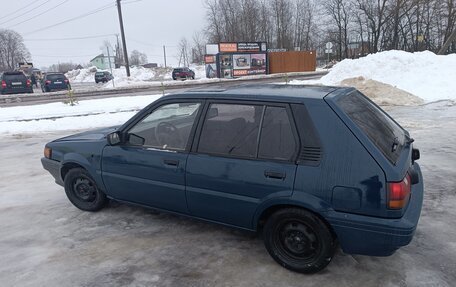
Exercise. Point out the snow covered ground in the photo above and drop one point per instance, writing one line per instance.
(139, 76)
(424, 74)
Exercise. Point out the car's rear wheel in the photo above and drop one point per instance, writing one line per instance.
(298, 240)
(82, 190)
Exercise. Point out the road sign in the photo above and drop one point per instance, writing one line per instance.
(328, 51)
(329, 45)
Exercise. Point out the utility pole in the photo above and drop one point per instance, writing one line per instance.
(122, 33)
(110, 66)
(164, 54)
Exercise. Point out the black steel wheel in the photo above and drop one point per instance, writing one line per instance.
(82, 190)
(298, 240)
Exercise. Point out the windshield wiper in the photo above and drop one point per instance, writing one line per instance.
(395, 144)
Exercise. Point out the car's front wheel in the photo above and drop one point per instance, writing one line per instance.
(298, 240)
(82, 190)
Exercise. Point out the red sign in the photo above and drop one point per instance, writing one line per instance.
(208, 59)
(228, 47)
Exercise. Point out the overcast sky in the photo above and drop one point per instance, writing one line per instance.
(149, 24)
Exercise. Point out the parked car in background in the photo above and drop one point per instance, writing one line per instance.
(55, 82)
(309, 166)
(183, 73)
(15, 83)
(103, 77)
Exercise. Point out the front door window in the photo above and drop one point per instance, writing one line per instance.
(167, 127)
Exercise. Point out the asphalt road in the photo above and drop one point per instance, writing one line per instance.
(45, 241)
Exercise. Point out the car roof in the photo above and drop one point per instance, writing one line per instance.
(268, 92)
(13, 73)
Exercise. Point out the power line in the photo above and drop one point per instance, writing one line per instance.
(33, 17)
(102, 8)
(15, 11)
(72, 38)
(62, 56)
(25, 13)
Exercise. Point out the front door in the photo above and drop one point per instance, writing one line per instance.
(149, 168)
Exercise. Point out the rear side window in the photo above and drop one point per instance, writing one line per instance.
(387, 135)
(231, 129)
(276, 140)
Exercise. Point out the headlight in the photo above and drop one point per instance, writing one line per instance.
(47, 152)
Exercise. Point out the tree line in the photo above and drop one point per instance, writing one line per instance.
(12, 50)
(372, 25)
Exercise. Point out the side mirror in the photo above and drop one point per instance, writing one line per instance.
(212, 113)
(113, 138)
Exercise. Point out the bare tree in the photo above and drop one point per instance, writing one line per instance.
(62, 67)
(137, 58)
(12, 50)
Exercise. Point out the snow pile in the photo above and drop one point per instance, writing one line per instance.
(58, 116)
(424, 74)
(139, 76)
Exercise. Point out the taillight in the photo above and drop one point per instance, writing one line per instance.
(28, 83)
(399, 193)
(66, 81)
(47, 82)
(3, 84)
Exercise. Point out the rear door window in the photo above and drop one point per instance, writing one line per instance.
(231, 130)
(385, 133)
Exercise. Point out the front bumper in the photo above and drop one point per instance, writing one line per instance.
(53, 167)
(358, 234)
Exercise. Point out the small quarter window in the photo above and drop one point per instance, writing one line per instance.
(277, 140)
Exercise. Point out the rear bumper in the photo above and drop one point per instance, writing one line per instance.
(358, 234)
(17, 91)
(54, 169)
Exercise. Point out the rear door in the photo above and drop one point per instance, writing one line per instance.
(244, 156)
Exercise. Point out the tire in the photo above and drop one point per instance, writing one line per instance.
(298, 240)
(82, 190)
(193, 77)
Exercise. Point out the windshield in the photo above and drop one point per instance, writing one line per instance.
(385, 133)
(56, 77)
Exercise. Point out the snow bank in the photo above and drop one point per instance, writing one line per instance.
(139, 76)
(424, 74)
(59, 116)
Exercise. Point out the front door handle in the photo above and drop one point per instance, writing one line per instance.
(171, 162)
(274, 175)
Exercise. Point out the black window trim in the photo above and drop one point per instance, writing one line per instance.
(265, 104)
(149, 110)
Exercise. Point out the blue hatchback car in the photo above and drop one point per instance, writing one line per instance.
(308, 166)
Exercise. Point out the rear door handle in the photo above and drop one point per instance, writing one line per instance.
(274, 175)
(171, 162)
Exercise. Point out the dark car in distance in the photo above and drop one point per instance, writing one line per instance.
(15, 83)
(183, 73)
(55, 82)
(103, 77)
(308, 166)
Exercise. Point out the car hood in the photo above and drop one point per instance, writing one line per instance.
(97, 134)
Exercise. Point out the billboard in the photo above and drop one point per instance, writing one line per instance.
(235, 59)
(249, 47)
